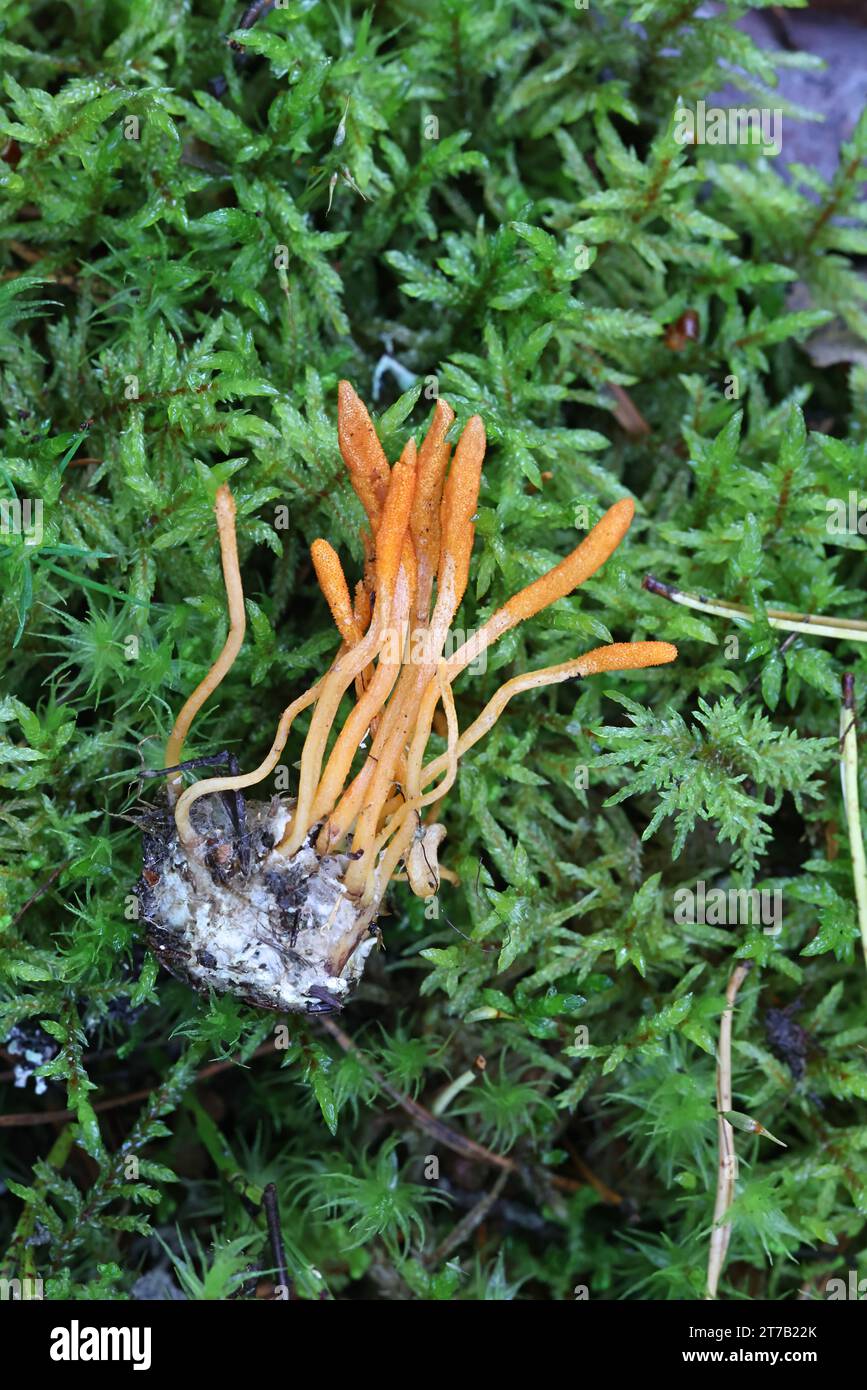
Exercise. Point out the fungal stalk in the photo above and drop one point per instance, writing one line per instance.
(278, 901)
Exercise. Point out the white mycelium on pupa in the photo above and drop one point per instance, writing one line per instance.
(277, 902)
(280, 934)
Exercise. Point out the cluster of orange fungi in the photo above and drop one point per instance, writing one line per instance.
(421, 514)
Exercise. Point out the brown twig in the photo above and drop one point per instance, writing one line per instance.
(464, 1229)
(40, 892)
(272, 1216)
(627, 414)
(458, 1143)
(254, 13)
(833, 202)
(51, 1117)
(451, 1138)
(607, 1193)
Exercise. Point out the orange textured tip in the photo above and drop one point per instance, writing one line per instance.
(362, 606)
(369, 543)
(626, 656)
(362, 452)
(391, 532)
(460, 500)
(409, 564)
(583, 562)
(332, 582)
(433, 456)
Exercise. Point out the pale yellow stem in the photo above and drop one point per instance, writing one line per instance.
(209, 785)
(387, 748)
(620, 656)
(393, 567)
(580, 565)
(334, 686)
(784, 619)
(400, 826)
(224, 508)
(398, 724)
(455, 531)
(359, 721)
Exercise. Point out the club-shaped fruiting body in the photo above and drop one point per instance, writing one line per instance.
(277, 902)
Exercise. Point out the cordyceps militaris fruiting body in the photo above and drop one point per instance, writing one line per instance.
(277, 902)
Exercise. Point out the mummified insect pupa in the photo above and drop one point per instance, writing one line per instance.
(277, 902)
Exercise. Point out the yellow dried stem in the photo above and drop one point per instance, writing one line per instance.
(224, 508)
(727, 1169)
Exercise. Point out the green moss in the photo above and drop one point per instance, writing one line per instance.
(494, 198)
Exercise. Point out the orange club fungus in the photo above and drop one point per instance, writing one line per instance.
(277, 902)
